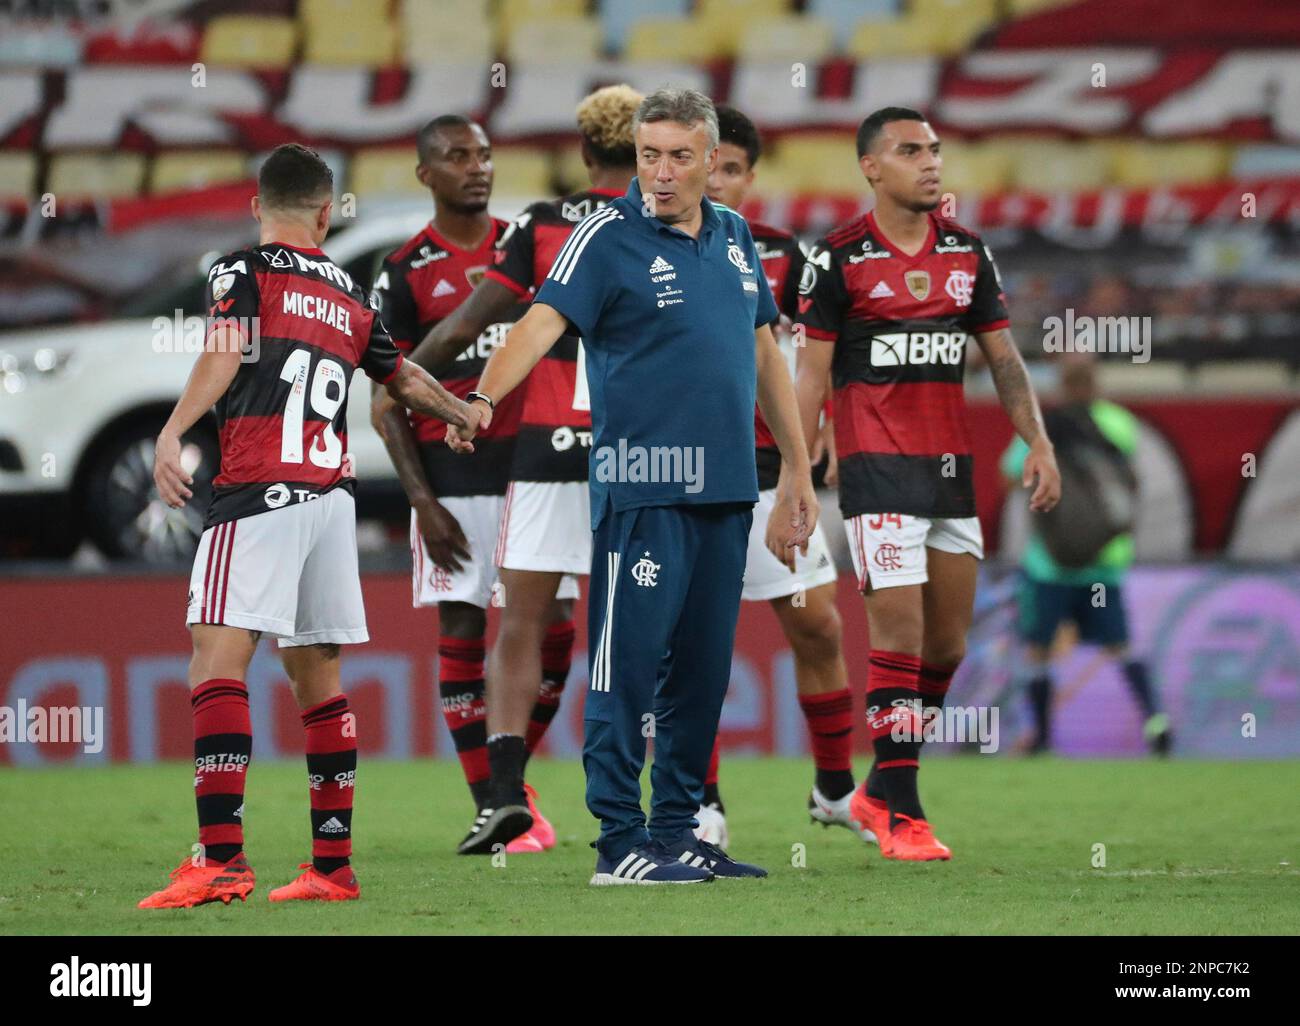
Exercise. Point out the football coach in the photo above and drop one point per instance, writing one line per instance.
(666, 290)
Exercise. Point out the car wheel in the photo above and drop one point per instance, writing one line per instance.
(126, 518)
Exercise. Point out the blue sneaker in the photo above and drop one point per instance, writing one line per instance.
(691, 851)
(648, 864)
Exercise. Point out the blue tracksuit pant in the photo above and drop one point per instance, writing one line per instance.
(665, 595)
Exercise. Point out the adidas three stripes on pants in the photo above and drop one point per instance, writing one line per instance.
(665, 596)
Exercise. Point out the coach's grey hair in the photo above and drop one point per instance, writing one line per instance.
(685, 106)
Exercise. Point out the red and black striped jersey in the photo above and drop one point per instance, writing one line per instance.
(283, 420)
(900, 325)
(418, 285)
(555, 429)
(783, 262)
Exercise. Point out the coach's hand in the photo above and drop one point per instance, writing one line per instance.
(168, 473)
(792, 520)
(477, 418)
(1042, 474)
(442, 535)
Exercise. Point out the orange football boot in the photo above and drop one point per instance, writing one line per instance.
(524, 844)
(912, 840)
(199, 884)
(871, 815)
(340, 885)
(541, 830)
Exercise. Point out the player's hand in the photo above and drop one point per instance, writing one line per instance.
(442, 535)
(1042, 474)
(792, 520)
(168, 473)
(478, 416)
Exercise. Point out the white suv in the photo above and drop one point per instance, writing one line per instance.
(81, 406)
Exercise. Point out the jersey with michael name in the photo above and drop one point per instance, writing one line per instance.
(555, 428)
(782, 261)
(418, 285)
(282, 422)
(901, 325)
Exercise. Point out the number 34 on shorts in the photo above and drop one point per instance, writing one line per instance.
(889, 548)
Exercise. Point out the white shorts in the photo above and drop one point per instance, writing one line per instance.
(291, 572)
(766, 577)
(546, 527)
(479, 517)
(889, 548)
(475, 582)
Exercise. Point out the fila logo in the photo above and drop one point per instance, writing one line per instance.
(220, 270)
(646, 572)
(881, 291)
(901, 349)
(443, 288)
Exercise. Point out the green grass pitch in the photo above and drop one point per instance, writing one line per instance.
(1190, 847)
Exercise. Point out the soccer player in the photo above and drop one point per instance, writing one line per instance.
(545, 536)
(803, 601)
(888, 303)
(456, 502)
(667, 293)
(1050, 592)
(286, 330)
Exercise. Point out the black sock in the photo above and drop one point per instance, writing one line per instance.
(327, 866)
(507, 754)
(875, 786)
(1139, 682)
(834, 784)
(712, 797)
(481, 792)
(1040, 704)
(222, 852)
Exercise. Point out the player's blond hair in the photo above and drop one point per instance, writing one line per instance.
(605, 121)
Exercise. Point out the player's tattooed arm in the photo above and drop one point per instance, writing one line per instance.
(1016, 394)
(416, 389)
(489, 303)
(527, 342)
(213, 372)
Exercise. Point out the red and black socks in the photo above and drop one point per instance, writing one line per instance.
(933, 685)
(830, 724)
(892, 701)
(557, 654)
(223, 745)
(461, 688)
(332, 772)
